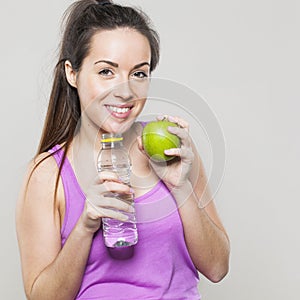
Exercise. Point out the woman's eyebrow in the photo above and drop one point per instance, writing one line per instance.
(141, 64)
(116, 65)
(107, 62)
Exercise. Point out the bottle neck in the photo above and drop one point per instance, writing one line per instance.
(112, 145)
(111, 140)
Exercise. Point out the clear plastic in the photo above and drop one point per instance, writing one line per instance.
(114, 157)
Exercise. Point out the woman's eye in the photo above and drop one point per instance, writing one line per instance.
(140, 74)
(106, 72)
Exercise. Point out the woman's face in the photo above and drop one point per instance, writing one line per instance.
(113, 81)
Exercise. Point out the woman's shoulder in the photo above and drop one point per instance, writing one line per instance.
(40, 175)
(37, 193)
(43, 164)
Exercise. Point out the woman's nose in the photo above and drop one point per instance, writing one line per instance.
(124, 91)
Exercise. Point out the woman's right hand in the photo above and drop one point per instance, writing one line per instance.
(101, 203)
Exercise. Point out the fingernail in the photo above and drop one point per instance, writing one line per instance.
(131, 190)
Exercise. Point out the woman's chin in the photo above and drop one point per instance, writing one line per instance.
(118, 127)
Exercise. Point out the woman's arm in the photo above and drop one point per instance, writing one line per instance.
(205, 236)
(49, 272)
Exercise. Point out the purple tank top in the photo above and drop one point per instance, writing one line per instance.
(161, 267)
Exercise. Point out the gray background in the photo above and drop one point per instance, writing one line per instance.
(243, 58)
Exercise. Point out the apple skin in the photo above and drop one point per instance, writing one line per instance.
(156, 138)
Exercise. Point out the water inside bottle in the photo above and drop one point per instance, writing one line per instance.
(117, 233)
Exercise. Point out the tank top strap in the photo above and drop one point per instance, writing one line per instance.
(57, 152)
(71, 187)
(143, 123)
(67, 173)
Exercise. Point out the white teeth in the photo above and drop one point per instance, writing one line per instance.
(119, 110)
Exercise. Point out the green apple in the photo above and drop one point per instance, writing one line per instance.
(156, 138)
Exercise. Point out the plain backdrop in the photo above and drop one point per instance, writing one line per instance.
(242, 57)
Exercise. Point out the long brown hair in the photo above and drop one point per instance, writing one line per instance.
(81, 21)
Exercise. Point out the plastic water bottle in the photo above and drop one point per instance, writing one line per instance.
(114, 157)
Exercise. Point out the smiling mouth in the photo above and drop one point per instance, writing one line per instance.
(119, 111)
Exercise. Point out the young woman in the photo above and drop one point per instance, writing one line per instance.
(107, 55)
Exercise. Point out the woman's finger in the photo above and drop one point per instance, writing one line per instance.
(107, 176)
(140, 144)
(96, 212)
(175, 119)
(182, 134)
(108, 213)
(112, 203)
(115, 187)
(181, 122)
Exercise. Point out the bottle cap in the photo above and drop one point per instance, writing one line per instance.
(109, 138)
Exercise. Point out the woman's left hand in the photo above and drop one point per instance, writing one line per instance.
(175, 173)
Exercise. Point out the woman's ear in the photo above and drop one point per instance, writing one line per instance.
(70, 74)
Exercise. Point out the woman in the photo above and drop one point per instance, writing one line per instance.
(107, 55)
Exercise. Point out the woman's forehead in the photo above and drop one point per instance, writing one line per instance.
(120, 42)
